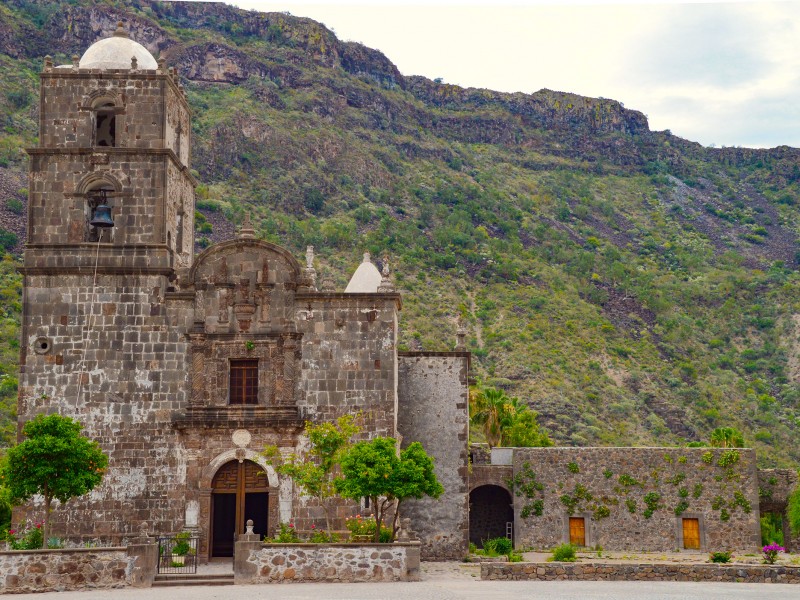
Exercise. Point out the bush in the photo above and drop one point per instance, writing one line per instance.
(28, 539)
(564, 553)
(322, 537)
(362, 526)
(286, 534)
(497, 546)
(720, 557)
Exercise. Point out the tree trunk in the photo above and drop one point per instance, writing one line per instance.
(378, 519)
(327, 508)
(395, 520)
(46, 526)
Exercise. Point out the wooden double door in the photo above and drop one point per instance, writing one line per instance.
(239, 492)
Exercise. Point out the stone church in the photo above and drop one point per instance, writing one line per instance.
(184, 367)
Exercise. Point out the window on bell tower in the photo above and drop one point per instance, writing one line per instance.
(105, 122)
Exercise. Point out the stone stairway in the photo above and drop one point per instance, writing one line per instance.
(205, 579)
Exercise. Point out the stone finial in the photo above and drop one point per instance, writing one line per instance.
(162, 65)
(405, 534)
(311, 273)
(309, 257)
(48, 63)
(367, 258)
(76, 62)
(134, 63)
(250, 526)
(247, 231)
(328, 285)
(386, 285)
(120, 31)
(461, 335)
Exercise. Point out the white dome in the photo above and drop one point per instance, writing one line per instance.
(116, 53)
(365, 280)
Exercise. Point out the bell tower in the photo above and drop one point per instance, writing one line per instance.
(110, 230)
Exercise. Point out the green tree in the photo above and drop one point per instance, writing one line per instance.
(414, 477)
(727, 437)
(55, 461)
(374, 470)
(314, 472)
(525, 432)
(505, 421)
(487, 410)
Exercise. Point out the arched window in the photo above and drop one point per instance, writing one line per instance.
(105, 123)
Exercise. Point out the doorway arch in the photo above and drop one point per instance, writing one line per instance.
(239, 492)
(490, 510)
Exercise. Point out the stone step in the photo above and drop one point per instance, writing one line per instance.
(193, 579)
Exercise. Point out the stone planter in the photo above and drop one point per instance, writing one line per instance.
(258, 562)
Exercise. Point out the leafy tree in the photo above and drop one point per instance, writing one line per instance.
(374, 470)
(505, 421)
(314, 472)
(524, 431)
(414, 477)
(727, 437)
(55, 461)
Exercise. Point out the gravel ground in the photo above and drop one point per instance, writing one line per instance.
(448, 581)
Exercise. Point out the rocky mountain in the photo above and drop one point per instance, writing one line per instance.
(633, 287)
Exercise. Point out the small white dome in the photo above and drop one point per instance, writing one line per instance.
(116, 53)
(366, 279)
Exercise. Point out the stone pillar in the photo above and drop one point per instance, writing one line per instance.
(198, 341)
(244, 571)
(145, 565)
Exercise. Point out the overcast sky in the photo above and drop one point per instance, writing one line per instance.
(724, 73)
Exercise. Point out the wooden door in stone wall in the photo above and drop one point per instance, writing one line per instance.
(240, 491)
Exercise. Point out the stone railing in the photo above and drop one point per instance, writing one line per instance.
(258, 562)
(596, 571)
(24, 571)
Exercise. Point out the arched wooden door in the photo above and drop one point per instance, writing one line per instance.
(240, 491)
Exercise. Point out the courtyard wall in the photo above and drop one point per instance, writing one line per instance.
(637, 498)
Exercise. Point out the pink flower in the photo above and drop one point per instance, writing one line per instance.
(291, 524)
(12, 531)
(313, 526)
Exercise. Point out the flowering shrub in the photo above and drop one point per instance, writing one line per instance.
(361, 526)
(286, 534)
(771, 553)
(28, 539)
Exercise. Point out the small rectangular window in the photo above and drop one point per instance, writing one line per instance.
(244, 382)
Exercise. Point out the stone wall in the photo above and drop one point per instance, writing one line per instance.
(131, 372)
(596, 571)
(433, 392)
(23, 571)
(636, 498)
(289, 563)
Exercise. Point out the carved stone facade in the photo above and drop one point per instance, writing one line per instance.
(185, 367)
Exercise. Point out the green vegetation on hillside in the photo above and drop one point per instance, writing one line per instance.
(630, 286)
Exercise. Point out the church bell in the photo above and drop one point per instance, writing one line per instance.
(102, 216)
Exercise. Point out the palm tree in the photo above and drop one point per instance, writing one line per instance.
(727, 437)
(488, 409)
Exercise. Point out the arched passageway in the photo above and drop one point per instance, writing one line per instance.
(490, 512)
(240, 491)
